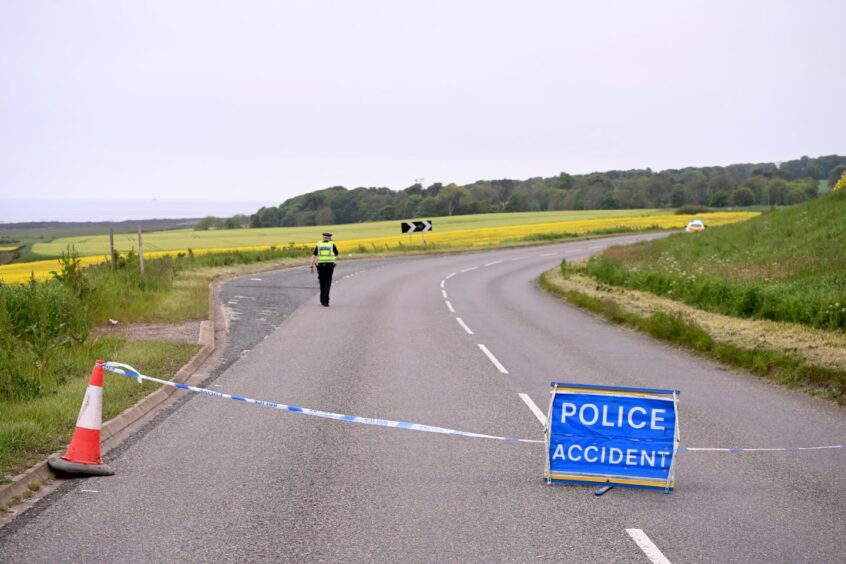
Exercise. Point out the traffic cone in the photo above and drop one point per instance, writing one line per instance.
(83, 455)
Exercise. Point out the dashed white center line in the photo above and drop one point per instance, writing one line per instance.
(444, 294)
(535, 409)
(442, 283)
(494, 262)
(450, 275)
(256, 279)
(449, 305)
(464, 325)
(520, 258)
(469, 269)
(547, 254)
(573, 252)
(647, 546)
(493, 359)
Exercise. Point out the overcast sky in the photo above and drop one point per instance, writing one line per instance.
(264, 100)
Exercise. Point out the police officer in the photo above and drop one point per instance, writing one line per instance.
(323, 256)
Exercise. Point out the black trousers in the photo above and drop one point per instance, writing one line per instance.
(324, 275)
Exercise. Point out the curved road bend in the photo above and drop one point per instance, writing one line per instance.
(220, 480)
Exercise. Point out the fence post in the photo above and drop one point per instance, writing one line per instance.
(140, 251)
(112, 248)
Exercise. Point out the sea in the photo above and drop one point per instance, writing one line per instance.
(25, 210)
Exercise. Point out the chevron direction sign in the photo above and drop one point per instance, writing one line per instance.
(416, 226)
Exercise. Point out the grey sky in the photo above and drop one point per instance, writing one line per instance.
(254, 100)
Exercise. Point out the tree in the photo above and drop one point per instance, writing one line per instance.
(208, 222)
(743, 197)
(841, 184)
(720, 199)
(679, 197)
(451, 196)
(238, 221)
(428, 207)
(325, 216)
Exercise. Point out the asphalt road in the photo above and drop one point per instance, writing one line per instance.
(217, 480)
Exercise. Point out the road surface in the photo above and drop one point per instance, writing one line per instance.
(461, 341)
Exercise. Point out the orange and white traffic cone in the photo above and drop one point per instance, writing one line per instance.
(83, 455)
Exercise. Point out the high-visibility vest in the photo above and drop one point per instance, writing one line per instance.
(325, 252)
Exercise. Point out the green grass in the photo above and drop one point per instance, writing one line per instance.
(786, 265)
(29, 430)
(779, 366)
(234, 238)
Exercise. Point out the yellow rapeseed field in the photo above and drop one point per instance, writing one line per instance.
(12, 248)
(484, 237)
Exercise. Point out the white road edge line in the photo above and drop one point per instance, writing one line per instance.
(450, 275)
(469, 269)
(444, 294)
(647, 546)
(493, 359)
(449, 305)
(464, 325)
(533, 406)
(442, 283)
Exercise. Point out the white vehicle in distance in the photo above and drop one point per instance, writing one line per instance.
(695, 226)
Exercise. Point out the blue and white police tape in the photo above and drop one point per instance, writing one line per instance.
(126, 370)
(784, 449)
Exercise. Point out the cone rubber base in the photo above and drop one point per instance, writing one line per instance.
(61, 465)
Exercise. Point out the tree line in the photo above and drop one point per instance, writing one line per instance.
(740, 185)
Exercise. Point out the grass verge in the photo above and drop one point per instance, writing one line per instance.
(726, 340)
(32, 429)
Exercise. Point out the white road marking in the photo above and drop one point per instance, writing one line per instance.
(521, 258)
(469, 269)
(464, 325)
(449, 305)
(450, 275)
(444, 294)
(493, 359)
(535, 409)
(494, 262)
(572, 252)
(647, 546)
(547, 254)
(442, 283)
(256, 279)
(89, 491)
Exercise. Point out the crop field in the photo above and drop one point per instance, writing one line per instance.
(449, 232)
(236, 238)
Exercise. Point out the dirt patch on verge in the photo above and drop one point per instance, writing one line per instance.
(187, 332)
(825, 349)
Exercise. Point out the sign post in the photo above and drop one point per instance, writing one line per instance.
(416, 227)
(612, 436)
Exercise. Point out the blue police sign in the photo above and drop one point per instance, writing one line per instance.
(612, 436)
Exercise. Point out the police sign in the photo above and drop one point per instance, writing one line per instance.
(612, 436)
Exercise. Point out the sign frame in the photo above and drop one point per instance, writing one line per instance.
(606, 394)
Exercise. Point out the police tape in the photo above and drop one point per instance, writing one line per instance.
(126, 370)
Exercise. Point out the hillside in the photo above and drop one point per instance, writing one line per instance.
(785, 265)
(740, 185)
